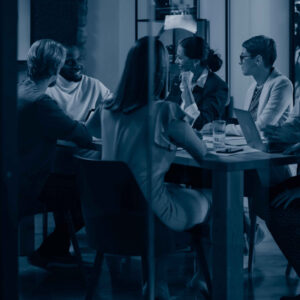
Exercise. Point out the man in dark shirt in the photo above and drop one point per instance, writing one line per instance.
(40, 123)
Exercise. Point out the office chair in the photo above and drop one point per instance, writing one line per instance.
(115, 214)
(228, 113)
(44, 208)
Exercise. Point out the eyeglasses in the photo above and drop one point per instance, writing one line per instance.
(242, 57)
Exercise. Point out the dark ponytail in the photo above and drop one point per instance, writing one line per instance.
(196, 47)
(214, 62)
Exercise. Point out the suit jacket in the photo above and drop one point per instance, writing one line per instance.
(275, 102)
(211, 99)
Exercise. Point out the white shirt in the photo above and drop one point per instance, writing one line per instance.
(192, 110)
(77, 99)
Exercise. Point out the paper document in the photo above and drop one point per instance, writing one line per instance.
(229, 140)
(235, 141)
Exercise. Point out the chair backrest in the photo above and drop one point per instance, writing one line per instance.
(228, 108)
(114, 209)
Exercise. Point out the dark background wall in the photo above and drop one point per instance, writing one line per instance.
(61, 20)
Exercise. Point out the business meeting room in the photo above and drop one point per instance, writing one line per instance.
(190, 189)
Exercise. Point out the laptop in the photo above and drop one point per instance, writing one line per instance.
(252, 134)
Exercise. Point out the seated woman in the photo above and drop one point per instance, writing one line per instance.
(201, 93)
(270, 98)
(40, 124)
(284, 220)
(128, 136)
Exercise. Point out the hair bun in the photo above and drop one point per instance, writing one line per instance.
(214, 62)
(211, 52)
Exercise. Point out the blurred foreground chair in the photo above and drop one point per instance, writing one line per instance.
(258, 193)
(228, 113)
(115, 214)
(258, 199)
(51, 197)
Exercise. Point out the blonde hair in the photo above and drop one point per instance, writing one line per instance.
(45, 58)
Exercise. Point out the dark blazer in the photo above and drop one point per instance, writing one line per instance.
(40, 123)
(211, 99)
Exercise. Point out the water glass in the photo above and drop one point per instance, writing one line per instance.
(218, 128)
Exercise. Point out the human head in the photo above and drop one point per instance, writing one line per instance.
(133, 89)
(45, 59)
(193, 52)
(72, 69)
(259, 52)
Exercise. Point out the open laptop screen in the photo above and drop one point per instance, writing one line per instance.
(249, 129)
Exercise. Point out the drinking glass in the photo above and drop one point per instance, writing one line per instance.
(218, 128)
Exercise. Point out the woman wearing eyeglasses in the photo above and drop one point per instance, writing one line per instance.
(270, 97)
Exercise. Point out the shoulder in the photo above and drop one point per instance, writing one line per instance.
(37, 100)
(28, 91)
(168, 109)
(86, 78)
(278, 79)
(214, 80)
(47, 107)
(47, 101)
(92, 81)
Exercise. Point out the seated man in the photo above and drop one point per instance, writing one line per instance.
(78, 95)
(270, 98)
(284, 221)
(40, 123)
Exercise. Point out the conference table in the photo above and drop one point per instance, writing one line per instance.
(228, 172)
(227, 212)
(227, 209)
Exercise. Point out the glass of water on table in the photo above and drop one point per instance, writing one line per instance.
(218, 129)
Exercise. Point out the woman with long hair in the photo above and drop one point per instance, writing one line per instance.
(125, 134)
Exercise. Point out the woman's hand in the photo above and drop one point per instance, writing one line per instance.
(186, 80)
(286, 198)
(186, 89)
(284, 134)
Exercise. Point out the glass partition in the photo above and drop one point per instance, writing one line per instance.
(295, 43)
(172, 219)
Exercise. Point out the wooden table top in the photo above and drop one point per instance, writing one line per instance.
(236, 162)
(231, 162)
